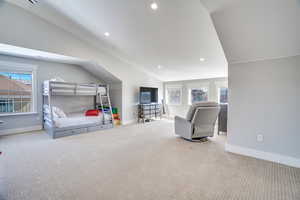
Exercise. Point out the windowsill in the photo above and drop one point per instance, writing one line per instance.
(18, 114)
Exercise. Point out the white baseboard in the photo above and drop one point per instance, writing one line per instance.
(20, 130)
(273, 157)
(129, 122)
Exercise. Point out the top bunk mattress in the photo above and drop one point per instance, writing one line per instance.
(67, 89)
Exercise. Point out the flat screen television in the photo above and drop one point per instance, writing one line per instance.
(148, 95)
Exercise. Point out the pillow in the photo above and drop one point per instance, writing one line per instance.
(58, 112)
(191, 112)
(55, 115)
(92, 113)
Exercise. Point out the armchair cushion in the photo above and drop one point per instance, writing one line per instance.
(192, 110)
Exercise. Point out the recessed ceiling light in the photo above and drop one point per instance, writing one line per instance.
(159, 67)
(33, 1)
(202, 59)
(154, 6)
(107, 34)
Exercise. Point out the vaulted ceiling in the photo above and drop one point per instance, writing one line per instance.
(179, 33)
(253, 30)
(174, 37)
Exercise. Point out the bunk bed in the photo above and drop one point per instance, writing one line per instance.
(59, 126)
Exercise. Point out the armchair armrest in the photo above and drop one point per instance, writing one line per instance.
(183, 127)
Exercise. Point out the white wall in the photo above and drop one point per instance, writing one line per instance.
(116, 96)
(27, 30)
(134, 88)
(181, 110)
(264, 99)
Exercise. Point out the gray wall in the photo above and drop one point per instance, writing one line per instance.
(182, 109)
(264, 99)
(46, 71)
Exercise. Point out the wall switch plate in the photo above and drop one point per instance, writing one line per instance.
(260, 138)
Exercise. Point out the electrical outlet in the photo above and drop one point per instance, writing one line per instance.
(260, 138)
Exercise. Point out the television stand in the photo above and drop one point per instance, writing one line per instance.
(149, 112)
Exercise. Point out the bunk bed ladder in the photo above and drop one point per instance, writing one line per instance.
(102, 100)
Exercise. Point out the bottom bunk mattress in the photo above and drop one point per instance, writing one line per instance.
(76, 119)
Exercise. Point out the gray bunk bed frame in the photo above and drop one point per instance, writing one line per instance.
(50, 89)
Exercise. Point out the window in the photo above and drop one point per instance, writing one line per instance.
(16, 90)
(174, 95)
(223, 95)
(198, 95)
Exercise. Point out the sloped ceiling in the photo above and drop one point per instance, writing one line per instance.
(175, 36)
(94, 68)
(252, 30)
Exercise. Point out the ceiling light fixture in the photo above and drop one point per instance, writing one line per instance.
(33, 1)
(159, 67)
(154, 5)
(107, 34)
(202, 59)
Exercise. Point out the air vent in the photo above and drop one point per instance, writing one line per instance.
(33, 1)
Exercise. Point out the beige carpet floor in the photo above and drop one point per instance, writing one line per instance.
(136, 162)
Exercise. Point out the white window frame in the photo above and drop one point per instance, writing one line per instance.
(167, 97)
(197, 87)
(22, 68)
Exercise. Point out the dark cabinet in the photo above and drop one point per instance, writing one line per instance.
(222, 120)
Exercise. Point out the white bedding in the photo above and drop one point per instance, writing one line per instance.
(77, 119)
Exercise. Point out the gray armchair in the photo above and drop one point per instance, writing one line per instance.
(199, 122)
